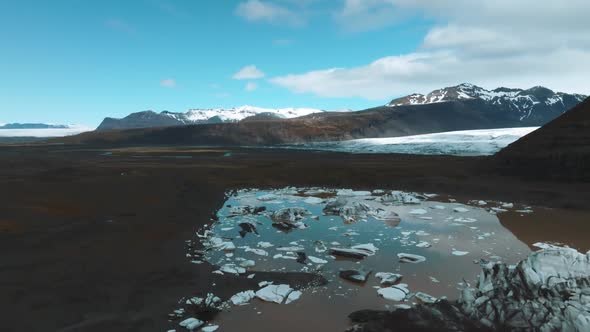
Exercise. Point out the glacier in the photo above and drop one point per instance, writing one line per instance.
(459, 143)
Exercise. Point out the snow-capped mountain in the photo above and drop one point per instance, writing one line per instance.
(534, 103)
(201, 116)
(238, 113)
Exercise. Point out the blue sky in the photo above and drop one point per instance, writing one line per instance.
(74, 61)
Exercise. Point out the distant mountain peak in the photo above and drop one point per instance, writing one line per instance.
(521, 101)
(32, 126)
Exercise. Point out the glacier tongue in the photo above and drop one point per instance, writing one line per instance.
(462, 143)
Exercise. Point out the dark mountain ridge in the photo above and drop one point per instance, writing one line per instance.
(560, 149)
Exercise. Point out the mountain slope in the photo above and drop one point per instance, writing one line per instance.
(560, 149)
(150, 119)
(532, 107)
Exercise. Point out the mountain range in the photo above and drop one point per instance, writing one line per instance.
(498, 108)
(32, 126)
(149, 119)
(531, 107)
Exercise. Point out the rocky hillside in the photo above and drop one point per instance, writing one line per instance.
(531, 107)
(560, 149)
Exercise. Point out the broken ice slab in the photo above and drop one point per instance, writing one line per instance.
(243, 298)
(410, 258)
(394, 293)
(191, 323)
(358, 252)
(359, 276)
(425, 298)
(274, 293)
(387, 278)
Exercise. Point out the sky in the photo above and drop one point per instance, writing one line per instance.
(78, 61)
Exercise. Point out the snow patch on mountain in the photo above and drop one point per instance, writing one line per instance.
(238, 113)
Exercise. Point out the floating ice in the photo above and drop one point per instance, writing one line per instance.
(410, 258)
(274, 293)
(460, 209)
(293, 296)
(316, 260)
(359, 276)
(232, 269)
(313, 200)
(264, 245)
(191, 323)
(459, 253)
(210, 328)
(424, 244)
(259, 252)
(426, 298)
(242, 298)
(387, 278)
(394, 293)
(418, 211)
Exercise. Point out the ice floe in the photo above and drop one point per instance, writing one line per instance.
(242, 298)
(394, 293)
(410, 258)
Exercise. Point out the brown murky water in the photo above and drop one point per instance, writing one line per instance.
(459, 236)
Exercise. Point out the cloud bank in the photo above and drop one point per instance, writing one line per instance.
(486, 42)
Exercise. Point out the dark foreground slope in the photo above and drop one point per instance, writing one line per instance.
(329, 126)
(560, 149)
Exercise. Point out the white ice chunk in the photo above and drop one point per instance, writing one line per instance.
(394, 293)
(274, 293)
(243, 297)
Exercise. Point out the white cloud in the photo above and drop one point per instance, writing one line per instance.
(269, 12)
(251, 86)
(168, 83)
(248, 73)
(489, 43)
